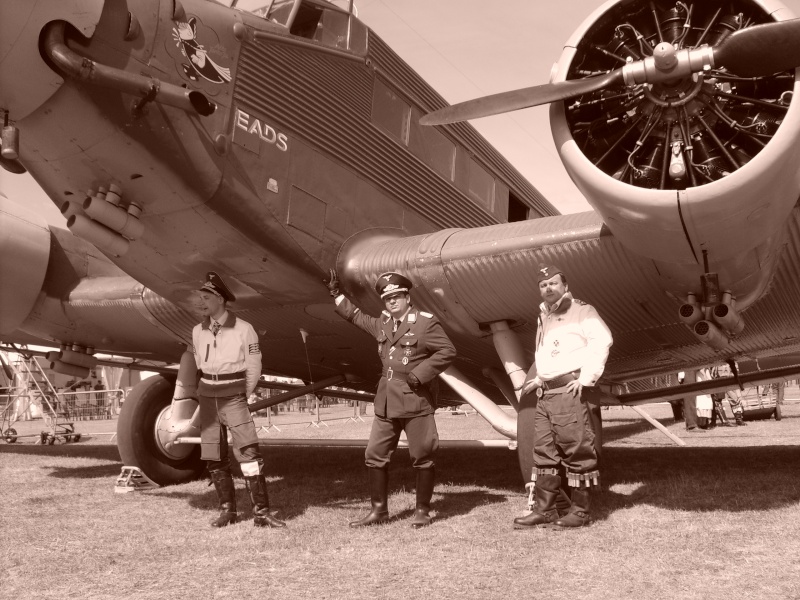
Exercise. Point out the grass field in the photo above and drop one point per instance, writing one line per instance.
(719, 518)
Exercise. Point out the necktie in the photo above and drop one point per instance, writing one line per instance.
(396, 325)
(215, 327)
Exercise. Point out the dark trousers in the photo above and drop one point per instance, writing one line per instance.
(690, 412)
(423, 440)
(563, 433)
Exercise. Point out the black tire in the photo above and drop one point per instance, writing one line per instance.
(136, 439)
(525, 418)
(10, 435)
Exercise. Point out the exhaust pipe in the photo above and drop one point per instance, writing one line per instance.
(69, 357)
(709, 334)
(114, 217)
(99, 235)
(145, 88)
(727, 317)
(68, 369)
(689, 312)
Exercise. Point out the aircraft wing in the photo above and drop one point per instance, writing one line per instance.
(271, 145)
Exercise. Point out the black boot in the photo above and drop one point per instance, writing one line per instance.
(226, 492)
(579, 513)
(257, 486)
(546, 493)
(739, 419)
(379, 494)
(422, 516)
(564, 500)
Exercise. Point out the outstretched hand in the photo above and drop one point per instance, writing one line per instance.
(333, 284)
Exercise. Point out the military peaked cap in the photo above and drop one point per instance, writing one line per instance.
(215, 285)
(392, 283)
(546, 272)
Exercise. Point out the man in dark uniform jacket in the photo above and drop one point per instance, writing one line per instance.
(414, 349)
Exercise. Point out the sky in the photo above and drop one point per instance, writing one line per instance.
(466, 49)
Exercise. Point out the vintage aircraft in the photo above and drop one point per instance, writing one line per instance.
(270, 144)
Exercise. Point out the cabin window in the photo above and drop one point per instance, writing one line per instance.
(318, 21)
(517, 210)
(433, 147)
(390, 112)
(481, 184)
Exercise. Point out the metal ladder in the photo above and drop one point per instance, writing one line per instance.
(30, 383)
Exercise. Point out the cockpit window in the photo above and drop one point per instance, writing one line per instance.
(324, 21)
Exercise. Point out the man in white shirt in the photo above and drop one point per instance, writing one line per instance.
(228, 359)
(572, 344)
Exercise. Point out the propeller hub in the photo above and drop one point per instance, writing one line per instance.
(668, 64)
(664, 57)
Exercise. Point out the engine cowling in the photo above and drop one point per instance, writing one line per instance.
(24, 255)
(693, 172)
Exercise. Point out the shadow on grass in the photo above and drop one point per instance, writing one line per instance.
(735, 479)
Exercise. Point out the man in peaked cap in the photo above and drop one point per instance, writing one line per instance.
(414, 349)
(228, 358)
(215, 285)
(572, 344)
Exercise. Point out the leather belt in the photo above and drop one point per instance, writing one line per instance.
(223, 376)
(560, 381)
(391, 374)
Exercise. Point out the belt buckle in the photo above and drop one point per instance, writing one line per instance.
(389, 374)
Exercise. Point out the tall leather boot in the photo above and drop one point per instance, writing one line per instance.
(379, 494)
(425, 483)
(564, 500)
(579, 513)
(257, 486)
(545, 492)
(226, 493)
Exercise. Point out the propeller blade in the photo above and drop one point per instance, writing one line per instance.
(518, 99)
(761, 50)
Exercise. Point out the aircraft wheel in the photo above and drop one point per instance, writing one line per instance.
(10, 435)
(138, 439)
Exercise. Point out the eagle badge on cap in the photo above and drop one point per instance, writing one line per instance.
(215, 285)
(392, 283)
(547, 271)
